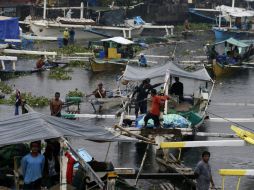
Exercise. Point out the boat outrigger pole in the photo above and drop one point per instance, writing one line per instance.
(44, 9)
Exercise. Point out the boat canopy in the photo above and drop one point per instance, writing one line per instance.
(9, 28)
(242, 14)
(235, 11)
(36, 126)
(119, 40)
(234, 42)
(141, 73)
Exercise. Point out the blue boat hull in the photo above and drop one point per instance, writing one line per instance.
(223, 35)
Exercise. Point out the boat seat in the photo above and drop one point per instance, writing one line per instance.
(18, 178)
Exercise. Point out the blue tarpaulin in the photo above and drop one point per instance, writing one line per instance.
(9, 28)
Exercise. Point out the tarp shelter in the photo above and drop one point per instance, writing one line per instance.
(36, 126)
(119, 40)
(9, 28)
(140, 73)
(234, 42)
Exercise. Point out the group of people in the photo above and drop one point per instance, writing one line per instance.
(41, 169)
(68, 36)
(158, 100)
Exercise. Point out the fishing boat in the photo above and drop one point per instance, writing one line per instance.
(84, 28)
(111, 54)
(229, 55)
(231, 21)
(8, 66)
(192, 109)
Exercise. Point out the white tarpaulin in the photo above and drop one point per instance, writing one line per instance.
(119, 40)
(140, 73)
(36, 126)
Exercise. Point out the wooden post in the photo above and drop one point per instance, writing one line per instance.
(63, 167)
(130, 33)
(44, 9)
(166, 91)
(167, 33)
(3, 65)
(124, 33)
(82, 10)
(14, 65)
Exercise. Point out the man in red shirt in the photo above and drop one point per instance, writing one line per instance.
(154, 114)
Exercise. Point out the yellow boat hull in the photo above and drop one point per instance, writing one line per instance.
(220, 70)
(105, 65)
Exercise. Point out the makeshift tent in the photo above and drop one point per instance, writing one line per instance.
(232, 41)
(119, 40)
(36, 126)
(9, 28)
(141, 73)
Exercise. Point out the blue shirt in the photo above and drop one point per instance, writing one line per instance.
(32, 167)
(143, 61)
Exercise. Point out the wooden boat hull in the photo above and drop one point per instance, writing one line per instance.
(105, 65)
(220, 70)
(224, 34)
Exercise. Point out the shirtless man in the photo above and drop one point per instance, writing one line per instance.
(99, 92)
(56, 105)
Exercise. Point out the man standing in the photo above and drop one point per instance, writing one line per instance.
(66, 36)
(18, 102)
(177, 89)
(142, 92)
(56, 105)
(157, 103)
(32, 168)
(72, 35)
(203, 173)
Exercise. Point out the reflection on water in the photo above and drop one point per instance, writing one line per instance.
(236, 88)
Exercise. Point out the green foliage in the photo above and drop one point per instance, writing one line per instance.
(34, 101)
(59, 74)
(75, 93)
(194, 26)
(77, 64)
(71, 49)
(4, 88)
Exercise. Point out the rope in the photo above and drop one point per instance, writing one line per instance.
(235, 123)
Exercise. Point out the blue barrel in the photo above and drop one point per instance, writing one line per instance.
(102, 54)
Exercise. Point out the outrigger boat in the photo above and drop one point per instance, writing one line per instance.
(197, 94)
(111, 54)
(84, 28)
(229, 55)
(231, 21)
(246, 137)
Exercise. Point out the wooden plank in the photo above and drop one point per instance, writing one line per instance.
(133, 134)
(160, 131)
(215, 143)
(29, 52)
(8, 58)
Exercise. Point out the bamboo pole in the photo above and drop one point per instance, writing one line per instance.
(133, 134)
(142, 164)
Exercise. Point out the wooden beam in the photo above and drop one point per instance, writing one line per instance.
(217, 143)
